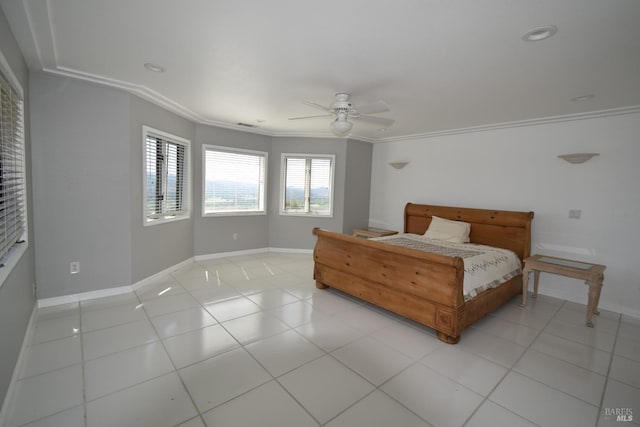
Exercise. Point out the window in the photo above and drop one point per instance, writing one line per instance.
(234, 181)
(307, 184)
(166, 166)
(13, 223)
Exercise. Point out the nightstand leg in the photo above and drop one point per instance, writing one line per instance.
(601, 281)
(525, 286)
(594, 296)
(595, 285)
(536, 277)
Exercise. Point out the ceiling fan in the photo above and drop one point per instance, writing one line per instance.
(343, 110)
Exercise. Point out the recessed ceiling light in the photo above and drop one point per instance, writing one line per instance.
(382, 129)
(153, 67)
(583, 98)
(541, 33)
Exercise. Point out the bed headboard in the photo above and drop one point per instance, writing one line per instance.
(502, 229)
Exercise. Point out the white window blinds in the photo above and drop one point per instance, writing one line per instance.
(234, 181)
(12, 181)
(307, 185)
(165, 181)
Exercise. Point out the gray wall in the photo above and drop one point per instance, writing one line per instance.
(81, 181)
(215, 234)
(357, 188)
(157, 247)
(294, 231)
(88, 187)
(87, 153)
(16, 299)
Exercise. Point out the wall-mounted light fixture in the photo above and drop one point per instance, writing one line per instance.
(577, 157)
(398, 165)
(154, 67)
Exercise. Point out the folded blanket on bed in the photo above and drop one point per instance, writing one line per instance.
(484, 266)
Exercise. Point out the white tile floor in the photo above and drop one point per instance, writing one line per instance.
(249, 341)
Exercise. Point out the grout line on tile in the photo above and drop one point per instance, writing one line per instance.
(509, 370)
(557, 389)
(413, 363)
(580, 342)
(52, 415)
(175, 370)
(379, 388)
(273, 378)
(355, 403)
(242, 346)
(606, 380)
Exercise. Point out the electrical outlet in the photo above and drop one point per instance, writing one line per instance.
(235, 236)
(575, 213)
(74, 267)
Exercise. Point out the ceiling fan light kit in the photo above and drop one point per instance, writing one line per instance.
(343, 109)
(341, 127)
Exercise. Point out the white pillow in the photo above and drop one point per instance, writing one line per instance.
(447, 230)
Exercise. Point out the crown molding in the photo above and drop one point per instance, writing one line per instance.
(519, 123)
(170, 105)
(156, 98)
(135, 89)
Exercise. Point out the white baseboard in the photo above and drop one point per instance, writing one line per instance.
(108, 292)
(147, 280)
(291, 251)
(83, 296)
(4, 410)
(252, 252)
(228, 254)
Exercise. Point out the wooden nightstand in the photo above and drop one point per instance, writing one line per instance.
(592, 274)
(369, 232)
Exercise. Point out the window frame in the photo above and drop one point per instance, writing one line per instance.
(186, 180)
(11, 258)
(283, 171)
(234, 150)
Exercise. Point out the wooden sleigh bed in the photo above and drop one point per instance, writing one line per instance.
(424, 287)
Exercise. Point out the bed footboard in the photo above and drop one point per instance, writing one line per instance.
(424, 287)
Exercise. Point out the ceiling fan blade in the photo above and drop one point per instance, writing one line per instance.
(376, 120)
(310, 117)
(374, 108)
(315, 105)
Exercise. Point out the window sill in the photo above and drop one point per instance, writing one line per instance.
(219, 214)
(308, 215)
(11, 259)
(165, 220)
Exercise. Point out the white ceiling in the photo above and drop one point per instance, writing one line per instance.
(440, 65)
